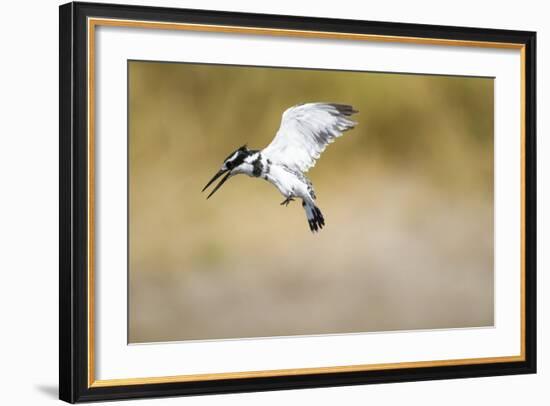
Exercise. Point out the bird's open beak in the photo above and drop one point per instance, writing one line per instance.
(216, 176)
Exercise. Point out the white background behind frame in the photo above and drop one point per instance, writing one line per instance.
(28, 215)
(114, 46)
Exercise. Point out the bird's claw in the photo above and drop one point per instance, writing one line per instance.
(287, 201)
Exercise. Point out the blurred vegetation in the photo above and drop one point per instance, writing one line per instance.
(407, 195)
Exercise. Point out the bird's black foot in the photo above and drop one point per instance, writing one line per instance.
(287, 201)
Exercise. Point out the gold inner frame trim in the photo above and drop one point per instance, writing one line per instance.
(298, 371)
(94, 22)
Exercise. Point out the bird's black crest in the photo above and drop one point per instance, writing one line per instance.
(237, 157)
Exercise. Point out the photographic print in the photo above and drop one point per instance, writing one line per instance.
(254, 202)
(367, 204)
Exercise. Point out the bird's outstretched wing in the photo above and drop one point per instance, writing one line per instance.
(305, 132)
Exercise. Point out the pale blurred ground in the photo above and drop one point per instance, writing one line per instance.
(407, 196)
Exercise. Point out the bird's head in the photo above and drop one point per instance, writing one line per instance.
(229, 167)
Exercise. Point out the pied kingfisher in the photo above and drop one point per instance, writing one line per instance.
(305, 132)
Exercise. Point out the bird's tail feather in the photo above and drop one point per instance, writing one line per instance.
(314, 217)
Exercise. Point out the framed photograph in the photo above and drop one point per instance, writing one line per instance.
(257, 202)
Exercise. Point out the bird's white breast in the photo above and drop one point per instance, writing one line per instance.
(287, 182)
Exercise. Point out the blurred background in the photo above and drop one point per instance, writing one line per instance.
(407, 196)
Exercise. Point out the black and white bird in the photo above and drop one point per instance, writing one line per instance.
(305, 132)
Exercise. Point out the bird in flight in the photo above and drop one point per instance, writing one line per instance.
(305, 132)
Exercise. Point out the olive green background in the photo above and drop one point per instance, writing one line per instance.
(407, 196)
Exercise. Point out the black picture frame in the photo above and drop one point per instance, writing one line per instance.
(74, 199)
